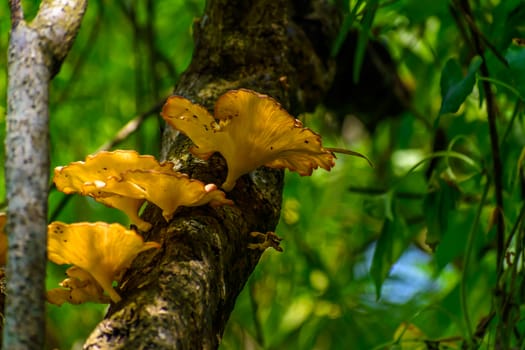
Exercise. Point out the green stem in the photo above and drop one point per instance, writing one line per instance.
(439, 154)
(466, 262)
(511, 122)
(349, 153)
(514, 229)
(500, 83)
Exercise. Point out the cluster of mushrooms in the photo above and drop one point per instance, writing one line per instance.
(248, 129)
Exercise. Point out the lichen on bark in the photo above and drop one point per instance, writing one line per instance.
(35, 53)
(181, 296)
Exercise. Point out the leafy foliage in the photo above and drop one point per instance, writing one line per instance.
(454, 87)
(415, 253)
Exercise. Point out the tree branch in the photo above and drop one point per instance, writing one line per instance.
(131, 127)
(34, 56)
(17, 14)
(181, 296)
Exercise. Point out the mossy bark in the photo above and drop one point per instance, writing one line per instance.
(181, 296)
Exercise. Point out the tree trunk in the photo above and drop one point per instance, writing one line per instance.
(181, 296)
(36, 51)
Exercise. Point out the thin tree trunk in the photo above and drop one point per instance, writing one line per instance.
(181, 296)
(35, 53)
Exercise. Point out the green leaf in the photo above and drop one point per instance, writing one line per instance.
(362, 39)
(454, 238)
(393, 241)
(455, 87)
(341, 36)
(515, 56)
(350, 16)
(437, 206)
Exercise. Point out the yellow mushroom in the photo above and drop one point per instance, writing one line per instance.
(78, 288)
(167, 190)
(130, 206)
(125, 180)
(101, 166)
(103, 250)
(252, 130)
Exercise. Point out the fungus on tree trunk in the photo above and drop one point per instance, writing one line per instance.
(79, 287)
(126, 180)
(103, 250)
(252, 130)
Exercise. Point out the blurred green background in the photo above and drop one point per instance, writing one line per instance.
(356, 269)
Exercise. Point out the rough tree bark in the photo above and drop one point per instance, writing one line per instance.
(35, 53)
(180, 296)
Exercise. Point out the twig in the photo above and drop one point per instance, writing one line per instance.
(516, 226)
(60, 206)
(514, 292)
(460, 25)
(479, 37)
(475, 32)
(375, 191)
(130, 127)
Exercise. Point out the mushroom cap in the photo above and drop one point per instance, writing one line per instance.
(125, 180)
(78, 288)
(252, 130)
(168, 190)
(89, 177)
(130, 206)
(101, 166)
(103, 250)
(195, 122)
